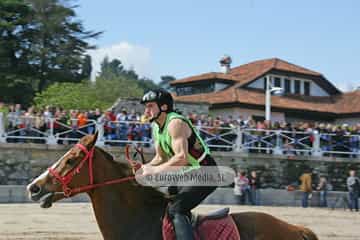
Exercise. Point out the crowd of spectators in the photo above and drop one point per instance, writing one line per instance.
(220, 132)
(33, 124)
(295, 138)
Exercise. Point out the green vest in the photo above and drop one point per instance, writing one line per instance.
(164, 139)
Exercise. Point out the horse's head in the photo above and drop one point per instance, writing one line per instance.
(70, 171)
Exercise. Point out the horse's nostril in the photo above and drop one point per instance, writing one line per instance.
(34, 189)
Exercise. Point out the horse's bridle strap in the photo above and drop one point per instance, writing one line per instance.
(65, 180)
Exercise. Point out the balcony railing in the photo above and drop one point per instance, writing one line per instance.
(119, 133)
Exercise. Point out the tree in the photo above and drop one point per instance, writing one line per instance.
(147, 84)
(16, 76)
(165, 81)
(86, 68)
(58, 42)
(41, 42)
(87, 95)
(68, 96)
(111, 70)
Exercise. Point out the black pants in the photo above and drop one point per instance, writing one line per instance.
(188, 197)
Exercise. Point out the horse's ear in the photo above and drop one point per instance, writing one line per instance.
(94, 138)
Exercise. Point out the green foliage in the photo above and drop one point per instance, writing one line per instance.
(41, 42)
(66, 95)
(58, 42)
(166, 79)
(114, 82)
(146, 84)
(111, 70)
(16, 89)
(16, 76)
(87, 95)
(165, 82)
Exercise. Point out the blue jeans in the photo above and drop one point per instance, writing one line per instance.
(245, 194)
(255, 197)
(305, 199)
(323, 198)
(353, 200)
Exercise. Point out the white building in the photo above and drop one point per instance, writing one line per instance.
(308, 95)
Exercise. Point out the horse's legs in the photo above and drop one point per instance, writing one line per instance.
(261, 226)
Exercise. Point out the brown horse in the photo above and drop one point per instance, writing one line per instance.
(127, 210)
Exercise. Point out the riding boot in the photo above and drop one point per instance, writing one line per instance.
(183, 227)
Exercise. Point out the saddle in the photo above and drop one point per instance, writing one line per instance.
(217, 225)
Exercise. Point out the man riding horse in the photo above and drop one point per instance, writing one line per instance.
(177, 143)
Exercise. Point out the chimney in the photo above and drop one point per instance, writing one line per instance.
(225, 63)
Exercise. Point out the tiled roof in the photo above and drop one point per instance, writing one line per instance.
(206, 76)
(239, 93)
(347, 103)
(250, 71)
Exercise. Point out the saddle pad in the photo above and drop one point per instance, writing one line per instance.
(210, 229)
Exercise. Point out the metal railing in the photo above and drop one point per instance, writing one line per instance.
(119, 133)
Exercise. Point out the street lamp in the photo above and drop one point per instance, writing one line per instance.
(269, 89)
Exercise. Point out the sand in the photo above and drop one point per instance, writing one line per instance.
(76, 221)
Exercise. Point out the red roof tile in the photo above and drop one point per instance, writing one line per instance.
(238, 93)
(250, 71)
(347, 103)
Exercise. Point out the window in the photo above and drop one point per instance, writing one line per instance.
(277, 82)
(265, 82)
(307, 88)
(297, 86)
(195, 89)
(287, 86)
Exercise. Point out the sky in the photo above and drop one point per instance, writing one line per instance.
(188, 37)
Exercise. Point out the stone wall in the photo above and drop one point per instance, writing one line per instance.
(21, 162)
(268, 197)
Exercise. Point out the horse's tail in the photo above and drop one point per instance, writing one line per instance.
(307, 234)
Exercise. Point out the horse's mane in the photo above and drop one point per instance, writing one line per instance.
(150, 194)
(105, 153)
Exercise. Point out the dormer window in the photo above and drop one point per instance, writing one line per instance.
(290, 85)
(201, 87)
(195, 89)
(297, 87)
(307, 88)
(287, 86)
(277, 82)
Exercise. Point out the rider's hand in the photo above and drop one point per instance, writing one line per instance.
(148, 169)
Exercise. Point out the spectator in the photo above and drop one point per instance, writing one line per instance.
(240, 121)
(237, 188)
(241, 187)
(353, 185)
(133, 116)
(323, 188)
(97, 114)
(92, 119)
(82, 119)
(3, 117)
(254, 182)
(47, 114)
(306, 187)
(121, 116)
(220, 133)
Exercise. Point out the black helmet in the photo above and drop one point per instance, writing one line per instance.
(161, 97)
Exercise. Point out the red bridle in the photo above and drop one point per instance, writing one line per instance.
(66, 180)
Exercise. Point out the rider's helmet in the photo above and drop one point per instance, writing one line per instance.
(161, 97)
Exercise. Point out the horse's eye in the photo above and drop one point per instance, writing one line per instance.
(70, 161)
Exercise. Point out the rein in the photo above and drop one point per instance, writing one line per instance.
(66, 180)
